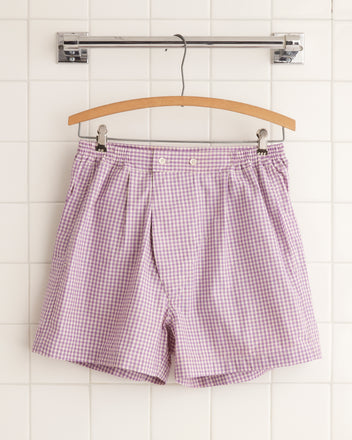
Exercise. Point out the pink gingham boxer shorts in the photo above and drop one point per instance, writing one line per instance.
(192, 251)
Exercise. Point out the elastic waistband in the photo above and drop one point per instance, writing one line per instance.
(170, 158)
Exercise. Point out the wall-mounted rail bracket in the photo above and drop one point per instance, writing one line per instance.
(68, 48)
(285, 48)
(289, 54)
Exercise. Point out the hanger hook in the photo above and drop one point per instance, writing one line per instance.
(183, 60)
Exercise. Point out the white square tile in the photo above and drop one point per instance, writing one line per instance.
(317, 50)
(15, 53)
(342, 246)
(342, 33)
(234, 407)
(14, 366)
(51, 103)
(320, 283)
(342, 9)
(181, 9)
(342, 154)
(42, 55)
(240, 64)
(307, 102)
(13, 293)
(301, 9)
(342, 296)
(50, 170)
(13, 172)
(309, 372)
(121, 9)
(117, 408)
(188, 123)
(45, 369)
(228, 126)
(63, 9)
(13, 115)
(133, 124)
(191, 406)
(341, 411)
(342, 92)
(14, 409)
(310, 170)
(314, 225)
(241, 10)
(300, 411)
(166, 64)
(44, 223)
(119, 63)
(13, 233)
(60, 412)
(14, 9)
(342, 353)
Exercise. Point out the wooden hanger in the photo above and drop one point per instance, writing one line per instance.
(193, 101)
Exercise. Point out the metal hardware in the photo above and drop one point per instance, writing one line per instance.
(101, 138)
(289, 54)
(262, 136)
(73, 54)
(271, 141)
(182, 62)
(286, 48)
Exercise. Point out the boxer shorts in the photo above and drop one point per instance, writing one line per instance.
(190, 251)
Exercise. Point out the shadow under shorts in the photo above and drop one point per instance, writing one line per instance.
(191, 251)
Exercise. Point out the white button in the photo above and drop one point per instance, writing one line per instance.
(193, 161)
(162, 160)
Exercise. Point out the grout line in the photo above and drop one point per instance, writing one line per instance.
(158, 80)
(163, 19)
(332, 197)
(170, 384)
(29, 330)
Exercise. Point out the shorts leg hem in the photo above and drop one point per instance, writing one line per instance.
(232, 376)
(121, 371)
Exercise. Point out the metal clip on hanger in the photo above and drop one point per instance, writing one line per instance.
(101, 138)
(262, 136)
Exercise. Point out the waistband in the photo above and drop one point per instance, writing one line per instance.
(170, 158)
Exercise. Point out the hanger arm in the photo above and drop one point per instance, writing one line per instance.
(192, 101)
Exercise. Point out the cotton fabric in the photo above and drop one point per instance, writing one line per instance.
(194, 251)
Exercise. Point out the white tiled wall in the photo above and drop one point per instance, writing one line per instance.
(42, 398)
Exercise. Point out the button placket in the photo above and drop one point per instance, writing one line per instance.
(162, 160)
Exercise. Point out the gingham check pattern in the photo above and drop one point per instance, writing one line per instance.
(165, 249)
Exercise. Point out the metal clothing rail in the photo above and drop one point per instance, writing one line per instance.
(285, 47)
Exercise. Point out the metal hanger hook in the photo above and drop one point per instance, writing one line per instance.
(183, 60)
